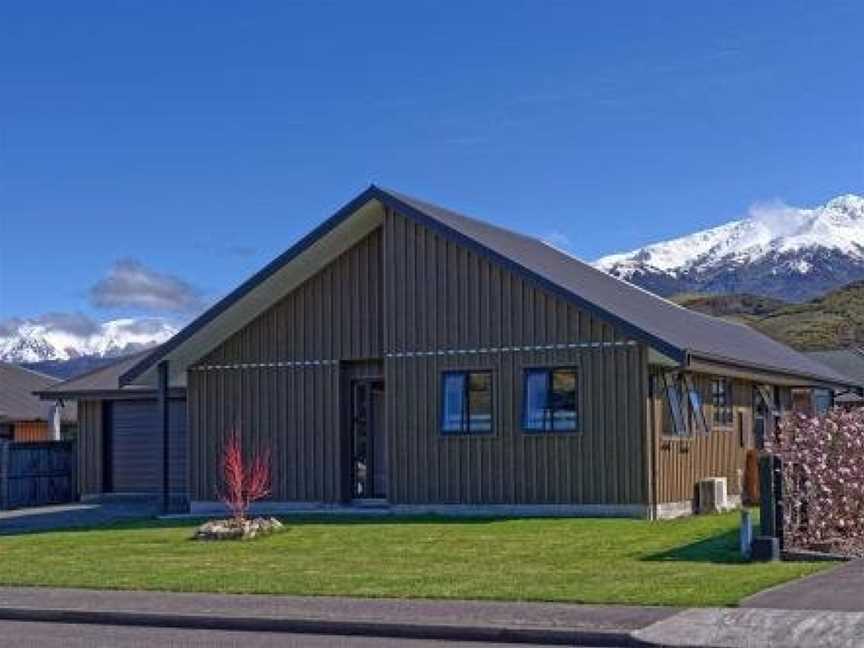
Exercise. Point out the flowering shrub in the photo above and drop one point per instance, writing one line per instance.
(823, 479)
(243, 482)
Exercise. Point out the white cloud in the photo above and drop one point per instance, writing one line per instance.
(558, 239)
(130, 284)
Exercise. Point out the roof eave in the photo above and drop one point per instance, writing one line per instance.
(108, 394)
(722, 360)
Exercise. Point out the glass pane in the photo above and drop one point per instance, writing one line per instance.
(722, 402)
(697, 412)
(564, 399)
(536, 400)
(453, 402)
(480, 402)
(822, 401)
(673, 396)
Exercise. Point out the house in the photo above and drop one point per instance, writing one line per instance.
(405, 356)
(23, 416)
(848, 362)
(120, 448)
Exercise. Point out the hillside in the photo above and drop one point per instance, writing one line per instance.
(829, 322)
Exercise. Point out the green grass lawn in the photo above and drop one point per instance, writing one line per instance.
(691, 562)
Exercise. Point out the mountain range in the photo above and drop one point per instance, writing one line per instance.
(35, 341)
(789, 253)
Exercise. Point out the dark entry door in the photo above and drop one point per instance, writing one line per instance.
(368, 441)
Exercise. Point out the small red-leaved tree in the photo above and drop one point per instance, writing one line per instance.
(243, 482)
(823, 478)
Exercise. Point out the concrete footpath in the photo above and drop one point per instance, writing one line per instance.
(553, 624)
(537, 623)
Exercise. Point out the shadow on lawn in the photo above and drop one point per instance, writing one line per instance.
(719, 549)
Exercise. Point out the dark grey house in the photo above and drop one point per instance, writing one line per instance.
(404, 355)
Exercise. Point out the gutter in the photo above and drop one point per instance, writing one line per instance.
(108, 394)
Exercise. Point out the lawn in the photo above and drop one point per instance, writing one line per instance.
(689, 562)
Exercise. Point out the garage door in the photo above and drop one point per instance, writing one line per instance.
(136, 447)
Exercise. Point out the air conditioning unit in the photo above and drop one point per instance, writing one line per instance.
(711, 495)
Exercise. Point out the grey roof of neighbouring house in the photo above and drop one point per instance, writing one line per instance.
(849, 362)
(17, 399)
(667, 327)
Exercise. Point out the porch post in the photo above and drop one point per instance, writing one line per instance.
(162, 389)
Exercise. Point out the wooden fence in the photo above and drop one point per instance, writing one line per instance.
(36, 474)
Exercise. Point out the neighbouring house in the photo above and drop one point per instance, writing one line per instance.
(406, 356)
(23, 416)
(848, 362)
(121, 445)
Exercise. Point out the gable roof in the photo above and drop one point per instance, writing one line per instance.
(17, 399)
(849, 362)
(672, 330)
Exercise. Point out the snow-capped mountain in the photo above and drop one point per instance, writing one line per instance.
(39, 340)
(777, 251)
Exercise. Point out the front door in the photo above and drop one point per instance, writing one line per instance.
(368, 441)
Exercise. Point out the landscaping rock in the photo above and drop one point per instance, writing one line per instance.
(233, 530)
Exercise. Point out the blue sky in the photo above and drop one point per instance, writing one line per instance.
(192, 142)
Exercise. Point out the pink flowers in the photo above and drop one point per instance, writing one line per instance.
(823, 478)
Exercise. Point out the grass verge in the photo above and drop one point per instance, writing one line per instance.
(686, 562)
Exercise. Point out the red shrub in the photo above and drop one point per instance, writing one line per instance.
(243, 482)
(823, 478)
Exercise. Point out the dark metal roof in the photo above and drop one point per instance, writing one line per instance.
(671, 329)
(849, 362)
(102, 380)
(17, 399)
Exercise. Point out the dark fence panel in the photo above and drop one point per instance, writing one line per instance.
(36, 474)
(771, 496)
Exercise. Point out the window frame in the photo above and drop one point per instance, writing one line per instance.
(465, 429)
(549, 370)
(728, 406)
(689, 415)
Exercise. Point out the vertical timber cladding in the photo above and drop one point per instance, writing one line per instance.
(681, 462)
(440, 296)
(90, 447)
(292, 407)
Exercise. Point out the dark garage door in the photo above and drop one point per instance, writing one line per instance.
(136, 447)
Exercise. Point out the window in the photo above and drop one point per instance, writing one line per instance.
(685, 405)
(721, 399)
(550, 400)
(822, 401)
(466, 403)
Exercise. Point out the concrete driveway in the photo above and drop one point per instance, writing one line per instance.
(839, 589)
(47, 518)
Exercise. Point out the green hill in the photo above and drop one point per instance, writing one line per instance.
(832, 321)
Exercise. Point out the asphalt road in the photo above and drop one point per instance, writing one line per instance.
(24, 634)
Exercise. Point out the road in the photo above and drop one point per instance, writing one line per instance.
(26, 634)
